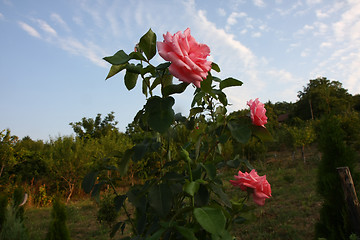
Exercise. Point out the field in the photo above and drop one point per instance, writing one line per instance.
(290, 214)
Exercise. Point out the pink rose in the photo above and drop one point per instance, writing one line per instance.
(259, 185)
(257, 112)
(187, 57)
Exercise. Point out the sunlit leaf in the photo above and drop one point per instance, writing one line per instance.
(148, 44)
(115, 69)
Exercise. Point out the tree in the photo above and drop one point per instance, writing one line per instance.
(7, 143)
(322, 96)
(95, 128)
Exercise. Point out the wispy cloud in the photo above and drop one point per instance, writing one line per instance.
(46, 27)
(29, 29)
(2, 17)
(59, 20)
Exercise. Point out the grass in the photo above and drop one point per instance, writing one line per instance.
(290, 214)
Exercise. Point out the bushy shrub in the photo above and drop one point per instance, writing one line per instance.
(334, 220)
(58, 229)
(107, 212)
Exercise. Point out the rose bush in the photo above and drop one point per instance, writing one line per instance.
(257, 112)
(184, 198)
(187, 57)
(258, 185)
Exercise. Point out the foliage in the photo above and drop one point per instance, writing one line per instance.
(334, 220)
(58, 229)
(7, 142)
(11, 218)
(322, 96)
(95, 128)
(184, 197)
(107, 213)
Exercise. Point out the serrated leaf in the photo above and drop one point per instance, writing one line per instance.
(148, 44)
(115, 69)
(230, 82)
(118, 58)
(211, 219)
(174, 88)
(130, 79)
(89, 181)
(215, 67)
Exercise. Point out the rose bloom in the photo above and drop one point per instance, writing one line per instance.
(187, 57)
(257, 112)
(260, 187)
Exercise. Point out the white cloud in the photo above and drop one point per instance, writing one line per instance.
(232, 19)
(30, 30)
(222, 12)
(256, 34)
(326, 45)
(58, 19)
(313, 2)
(259, 3)
(46, 27)
(2, 17)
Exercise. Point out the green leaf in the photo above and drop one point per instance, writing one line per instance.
(211, 219)
(124, 162)
(215, 67)
(119, 201)
(160, 114)
(163, 66)
(230, 82)
(115, 69)
(130, 79)
(262, 133)
(118, 58)
(137, 56)
(196, 110)
(134, 68)
(115, 228)
(174, 88)
(240, 132)
(148, 44)
(206, 84)
(221, 194)
(222, 97)
(191, 188)
(96, 190)
(186, 232)
(160, 198)
(89, 181)
(156, 235)
(210, 170)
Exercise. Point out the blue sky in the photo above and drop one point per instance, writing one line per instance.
(52, 72)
